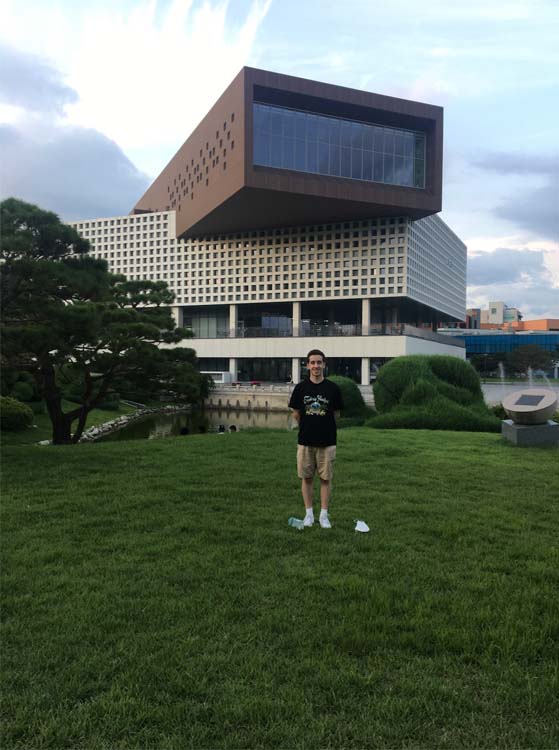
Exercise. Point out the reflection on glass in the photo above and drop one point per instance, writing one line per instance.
(319, 144)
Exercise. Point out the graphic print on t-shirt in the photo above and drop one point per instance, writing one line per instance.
(316, 406)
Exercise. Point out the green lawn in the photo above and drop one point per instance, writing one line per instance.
(42, 429)
(154, 596)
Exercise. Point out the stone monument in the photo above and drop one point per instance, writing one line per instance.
(530, 413)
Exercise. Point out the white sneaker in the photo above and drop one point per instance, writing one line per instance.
(308, 520)
(325, 521)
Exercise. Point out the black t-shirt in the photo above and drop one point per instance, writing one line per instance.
(316, 402)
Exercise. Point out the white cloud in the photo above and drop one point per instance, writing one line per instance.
(523, 275)
(145, 75)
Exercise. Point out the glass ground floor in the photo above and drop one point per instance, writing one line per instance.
(307, 318)
(284, 370)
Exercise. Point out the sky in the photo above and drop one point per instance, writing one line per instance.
(96, 96)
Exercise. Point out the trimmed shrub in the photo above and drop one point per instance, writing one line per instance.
(354, 406)
(418, 393)
(457, 372)
(452, 377)
(22, 391)
(344, 422)
(499, 411)
(431, 392)
(14, 415)
(439, 414)
(394, 377)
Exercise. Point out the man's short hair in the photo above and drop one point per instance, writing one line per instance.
(316, 353)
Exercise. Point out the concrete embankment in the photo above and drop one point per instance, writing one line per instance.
(269, 397)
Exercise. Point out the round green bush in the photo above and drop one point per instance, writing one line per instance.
(418, 393)
(14, 415)
(453, 378)
(431, 392)
(354, 406)
(22, 391)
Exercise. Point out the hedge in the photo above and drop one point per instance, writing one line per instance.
(452, 377)
(354, 405)
(14, 415)
(431, 392)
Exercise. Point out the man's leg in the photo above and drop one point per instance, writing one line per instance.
(325, 491)
(306, 466)
(325, 468)
(307, 490)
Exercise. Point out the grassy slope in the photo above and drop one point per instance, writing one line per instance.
(43, 430)
(155, 597)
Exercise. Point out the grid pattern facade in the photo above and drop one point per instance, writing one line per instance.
(375, 258)
(436, 266)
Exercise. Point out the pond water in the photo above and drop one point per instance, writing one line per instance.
(170, 425)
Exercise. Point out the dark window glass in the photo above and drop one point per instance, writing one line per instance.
(261, 149)
(403, 171)
(388, 142)
(334, 130)
(345, 168)
(312, 128)
(408, 144)
(378, 139)
(300, 161)
(323, 154)
(356, 163)
(334, 160)
(346, 133)
(289, 124)
(367, 165)
(312, 157)
(378, 171)
(388, 168)
(277, 121)
(419, 174)
(356, 135)
(275, 154)
(300, 125)
(323, 129)
(287, 154)
(288, 139)
(261, 119)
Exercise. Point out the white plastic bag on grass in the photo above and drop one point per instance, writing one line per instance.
(361, 526)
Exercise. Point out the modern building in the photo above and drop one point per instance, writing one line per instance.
(502, 340)
(542, 324)
(300, 214)
(498, 314)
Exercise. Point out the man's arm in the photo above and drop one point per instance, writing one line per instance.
(296, 415)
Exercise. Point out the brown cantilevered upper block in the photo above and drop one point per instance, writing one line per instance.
(214, 186)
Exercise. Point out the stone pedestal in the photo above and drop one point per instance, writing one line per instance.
(530, 435)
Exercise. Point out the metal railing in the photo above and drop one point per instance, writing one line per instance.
(341, 329)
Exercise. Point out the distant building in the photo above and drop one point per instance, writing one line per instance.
(544, 324)
(498, 314)
(504, 340)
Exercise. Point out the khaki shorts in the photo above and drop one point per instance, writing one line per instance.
(320, 460)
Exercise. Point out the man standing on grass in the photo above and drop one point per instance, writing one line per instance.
(315, 402)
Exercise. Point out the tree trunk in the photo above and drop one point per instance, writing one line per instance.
(82, 419)
(61, 424)
(61, 429)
